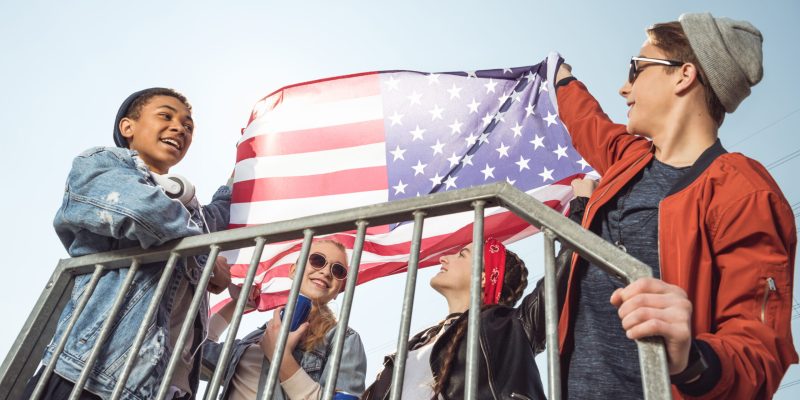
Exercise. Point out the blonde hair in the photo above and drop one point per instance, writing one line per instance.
(321, 318)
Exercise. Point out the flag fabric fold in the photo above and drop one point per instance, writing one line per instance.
(369, 138)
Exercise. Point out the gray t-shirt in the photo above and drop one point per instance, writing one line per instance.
(604, 363)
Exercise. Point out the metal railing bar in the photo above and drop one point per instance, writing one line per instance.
(344, 313)
(474, 317)
(398, 374)
(327, 223)
(551, 317)
(187, 327)
(233, 328)
(105, 330)
(133, 354)
(288, 313)
(70, 325)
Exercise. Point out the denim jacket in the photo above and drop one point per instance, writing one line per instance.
(352, 369)
(111, 202)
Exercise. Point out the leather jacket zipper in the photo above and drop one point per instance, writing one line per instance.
(770, 287)
(519, 396)
(488, 370)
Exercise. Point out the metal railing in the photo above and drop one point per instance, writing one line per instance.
(38, 330)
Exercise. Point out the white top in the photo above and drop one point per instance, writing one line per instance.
(418, 379)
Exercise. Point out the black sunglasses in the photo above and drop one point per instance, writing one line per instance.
(318, 262)
(635, 68)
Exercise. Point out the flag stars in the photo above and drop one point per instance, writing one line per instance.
(398, 153)
(483, 138)
(529, 110)
(436, 112)
(523, 163)
(414, 98)
(543, 87)
(471, 74)
(511, 181)
(433, 78)
(529, 76)
(473, 107)
(550, 118)
(560, 151)
(454, 159)
(455, 92)
(450, 182)
(488, 172)
(392, 83)
(516, 97)
(419, 169)
(397, 119)
(455, 127)
(487, 119)
(400, 188)
(502, 99)
(503, 150)
(583, 164)
(538, 141)
(500, 116)
(517, 129)
(507, 71)
(436, 180)
(467, 159)
(471, 139)
(490, 86)
(417, 133)
(437, 148)
(547, 174)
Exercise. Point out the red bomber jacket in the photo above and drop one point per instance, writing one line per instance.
(726, 236)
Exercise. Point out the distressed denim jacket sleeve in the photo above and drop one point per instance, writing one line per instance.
(217, 213)
(109, 193)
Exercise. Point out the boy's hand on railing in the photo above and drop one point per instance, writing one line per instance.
(221, 277)
(652, 307)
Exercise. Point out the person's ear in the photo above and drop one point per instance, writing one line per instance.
(292, 268)
(687, 75)
(126, 126)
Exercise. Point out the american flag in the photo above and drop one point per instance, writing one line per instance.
(374, 137)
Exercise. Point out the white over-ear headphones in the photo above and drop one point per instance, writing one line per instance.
(176, 187)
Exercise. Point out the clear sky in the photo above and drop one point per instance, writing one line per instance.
(66, 66)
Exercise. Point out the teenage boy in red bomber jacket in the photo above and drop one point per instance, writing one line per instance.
(713, 225)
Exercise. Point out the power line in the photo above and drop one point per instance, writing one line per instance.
(766, 127)
(784, 159)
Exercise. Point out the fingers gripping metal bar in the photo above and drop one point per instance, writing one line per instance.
(98, 270)
(408, 306)
(133, 354)
(288, 313)
(473, 327)
(344, 312)
(233, 327)
(105, 330)
(187, 327)
(551, 317)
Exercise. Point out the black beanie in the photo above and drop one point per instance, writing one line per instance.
(123, 109)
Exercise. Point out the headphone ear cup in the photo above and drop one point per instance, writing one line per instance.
(186, 193)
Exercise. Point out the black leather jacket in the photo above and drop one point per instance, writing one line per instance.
(510, 339)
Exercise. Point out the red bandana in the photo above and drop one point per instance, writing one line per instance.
(494, 257)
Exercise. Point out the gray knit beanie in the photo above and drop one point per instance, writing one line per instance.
(729, 52)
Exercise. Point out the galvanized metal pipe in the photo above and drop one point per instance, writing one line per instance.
(133, 354)
(87, 293)
(187, 327)
(551, 317)
(398, 374)
(105, 330)
(344, 314)
(288, 313)
(474, 318)
(233, 328)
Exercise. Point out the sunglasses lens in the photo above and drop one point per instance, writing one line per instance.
(317, 260)
(632, 72)
(338, 271)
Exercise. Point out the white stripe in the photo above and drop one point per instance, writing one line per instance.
(314, 163)
(300, 116)
(262, 212)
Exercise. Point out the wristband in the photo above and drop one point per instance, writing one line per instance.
(696, 366)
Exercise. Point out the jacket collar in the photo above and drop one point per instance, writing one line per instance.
(699, 166)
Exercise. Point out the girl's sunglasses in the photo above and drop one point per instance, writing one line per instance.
(318, 262)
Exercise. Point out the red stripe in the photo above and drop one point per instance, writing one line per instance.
(310, 140)
(325, 90)
(295, 187)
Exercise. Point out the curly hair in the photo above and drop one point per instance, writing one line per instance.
(135, 109)
(514, 284)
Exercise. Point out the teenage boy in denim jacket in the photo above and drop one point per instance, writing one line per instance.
(111, 202)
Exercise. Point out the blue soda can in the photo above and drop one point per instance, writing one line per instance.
(344, 396)
(301, 312)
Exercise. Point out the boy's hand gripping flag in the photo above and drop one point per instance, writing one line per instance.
(370, 138)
